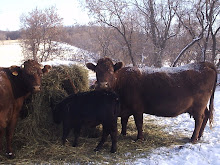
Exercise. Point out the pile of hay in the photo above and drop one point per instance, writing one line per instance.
(37, 128)
(37, 140)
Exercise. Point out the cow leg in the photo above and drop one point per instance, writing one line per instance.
(105, 134)
(124, 121)
(76, 134)
(113, 134)
(207, 113)
(139, 124)
(1, 136)
(9, 135)
(198, 123)
(66, 131)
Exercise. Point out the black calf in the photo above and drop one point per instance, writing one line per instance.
(89, 109)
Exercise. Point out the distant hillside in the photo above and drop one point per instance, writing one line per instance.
(10, 35)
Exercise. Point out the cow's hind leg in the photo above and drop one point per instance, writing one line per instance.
(105, 134)
(66, 131)
(199, 118)
(76, 134)
(207, 113)
(139, 124)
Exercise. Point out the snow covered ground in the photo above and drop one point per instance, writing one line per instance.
(10, 53)
(206, 151)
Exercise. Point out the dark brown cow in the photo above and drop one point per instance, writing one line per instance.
(16, 84)
(167, 93)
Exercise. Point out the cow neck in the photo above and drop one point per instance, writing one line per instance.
(19, 86)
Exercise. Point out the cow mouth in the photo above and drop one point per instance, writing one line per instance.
(102, 85)
(36, 88)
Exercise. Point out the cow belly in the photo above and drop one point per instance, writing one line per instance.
(171, 108)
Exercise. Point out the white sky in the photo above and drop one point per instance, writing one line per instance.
(11, 10)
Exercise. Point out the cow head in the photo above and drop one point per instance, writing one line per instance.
(30, 73)
(105, 72)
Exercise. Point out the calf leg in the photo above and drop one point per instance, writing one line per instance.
(124, 121)
(207, 113)
(105, 134)
(66, 131)
(139, 124)
(113, 134)
(76, 134)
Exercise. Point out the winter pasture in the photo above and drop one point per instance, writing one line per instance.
(206, 151)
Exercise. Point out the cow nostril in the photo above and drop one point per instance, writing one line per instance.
(36, 88)
(104, 85)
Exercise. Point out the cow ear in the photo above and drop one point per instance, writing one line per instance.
(14, 70)
(91, 66)
(118, 66)
(46, 69)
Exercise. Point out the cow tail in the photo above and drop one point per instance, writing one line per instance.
(211, 102)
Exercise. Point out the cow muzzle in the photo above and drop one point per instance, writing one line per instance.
(36, 88)
(103, 85)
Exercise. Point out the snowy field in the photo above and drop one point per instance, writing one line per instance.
(206, 151)
(10, 53)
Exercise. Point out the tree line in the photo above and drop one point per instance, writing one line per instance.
(138, 32)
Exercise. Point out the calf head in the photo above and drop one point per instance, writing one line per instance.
(30, 74)
(105, 72)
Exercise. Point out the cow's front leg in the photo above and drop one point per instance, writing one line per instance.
(9, 135)
(113, 134)
(124, 121)
(104, 138)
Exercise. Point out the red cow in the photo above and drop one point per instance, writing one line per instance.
(16, 84)
(167, 93)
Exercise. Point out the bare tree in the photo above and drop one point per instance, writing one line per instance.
(200, 21)
(118, 15)
(2, 36)
(41, 29)
(159, 17)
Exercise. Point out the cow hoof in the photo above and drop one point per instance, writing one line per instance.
(10, 155)
(96, 149)
(193, 140)
(123, 133)
(74, 145)
(140, 140)
(113, 150)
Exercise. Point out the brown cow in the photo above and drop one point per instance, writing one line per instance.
(167, 93)
(17, 83)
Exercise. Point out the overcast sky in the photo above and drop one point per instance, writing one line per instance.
(11, 10)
